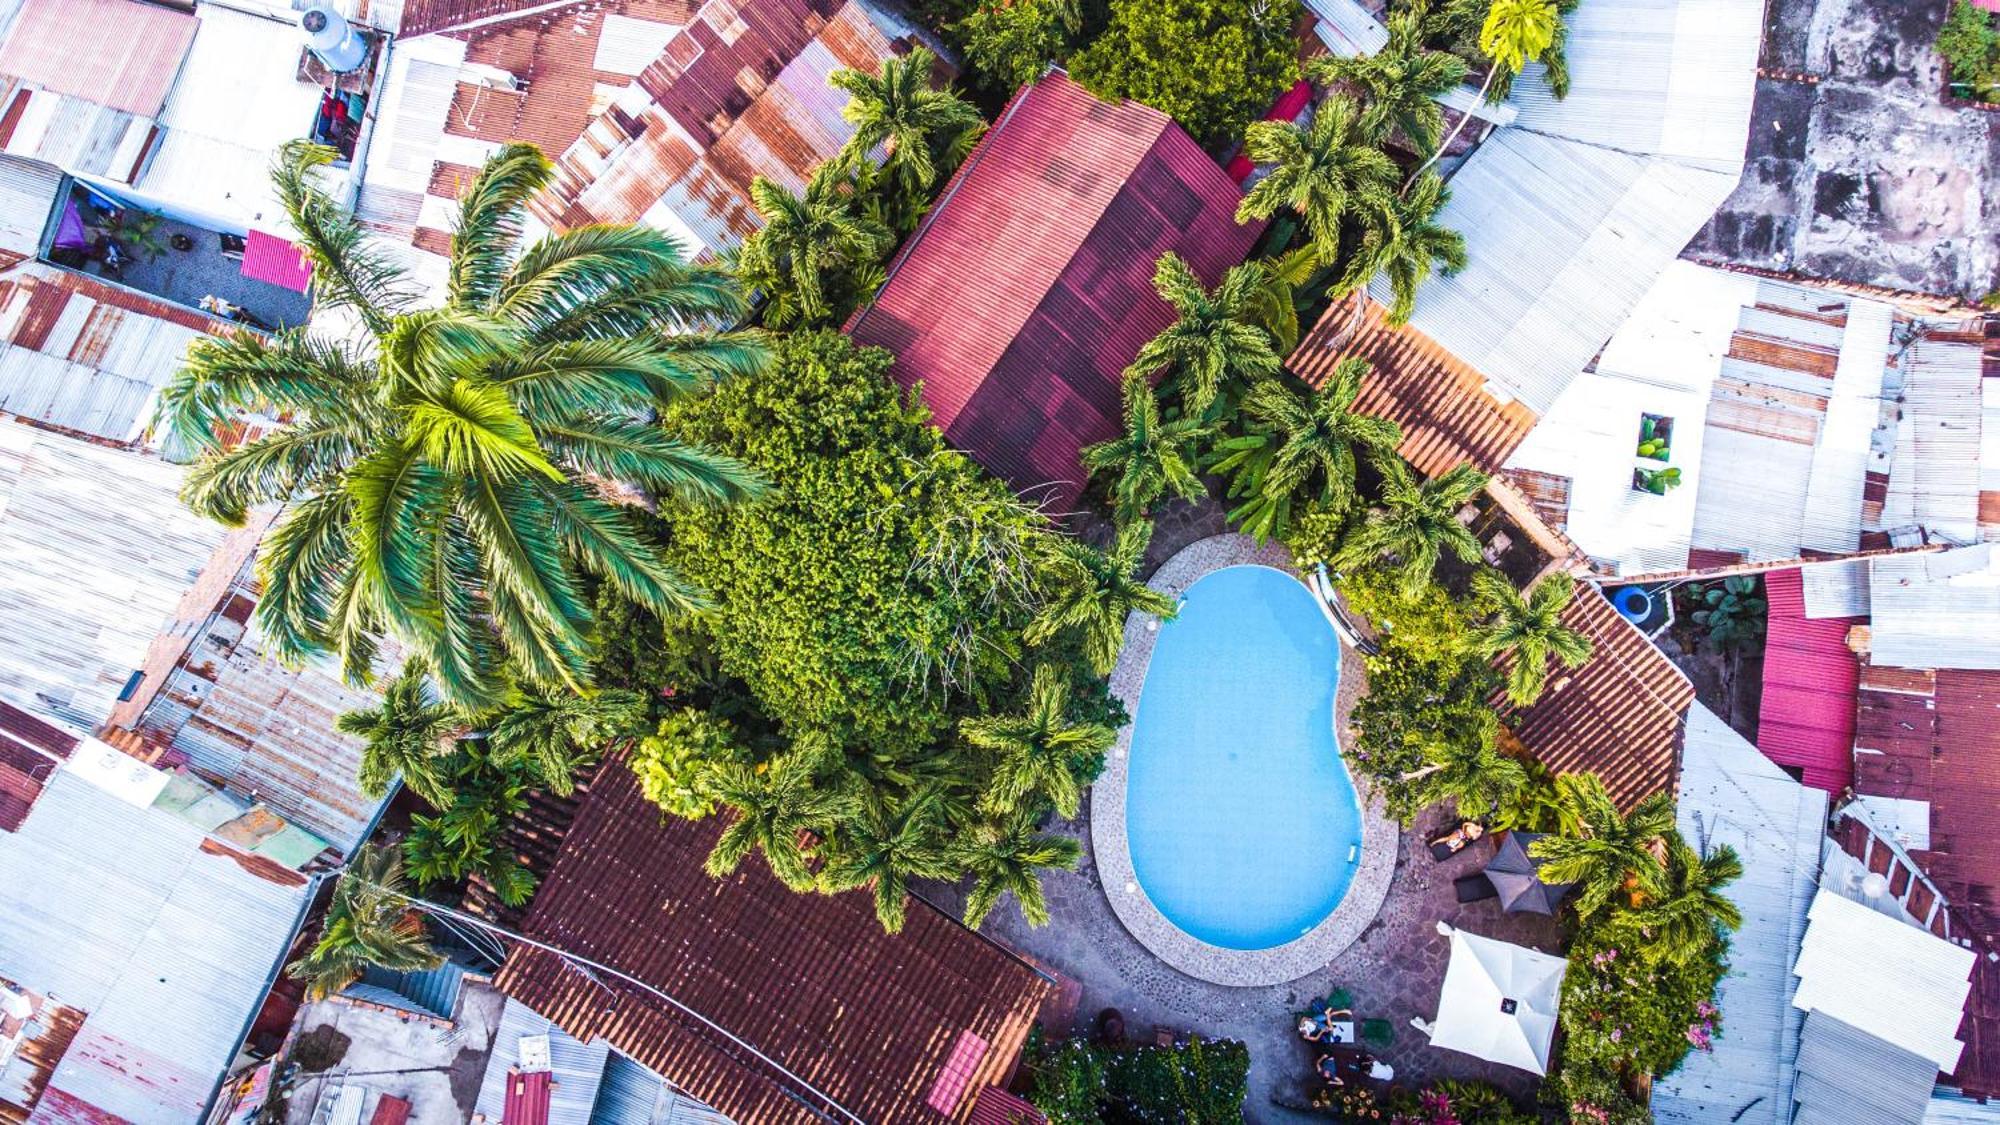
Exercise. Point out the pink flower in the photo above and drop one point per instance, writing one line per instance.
(1697, 1034)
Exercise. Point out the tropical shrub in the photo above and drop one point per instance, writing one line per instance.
(1212, 65)
(1623, 1014)
(368, 922)
(1444, 1102)
(1010, 42)
(1970, 44)
(1198, 1082)
(1301, 449)
(467, 836)
(677, 765)
(1730, 613)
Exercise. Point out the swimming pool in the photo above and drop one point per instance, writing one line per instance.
(1242, 824)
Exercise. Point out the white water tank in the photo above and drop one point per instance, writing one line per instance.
(332, 40)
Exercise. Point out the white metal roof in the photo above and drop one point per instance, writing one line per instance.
(578, 1067)
(117, 910)
(1572, 212)
(1836, 589)
(1892, 980)
(1731, 794)
(1935, 471)
(27, 196)
(1936, 611)
(1845, 1074)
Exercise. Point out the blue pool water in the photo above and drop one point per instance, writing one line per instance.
(1239, 813)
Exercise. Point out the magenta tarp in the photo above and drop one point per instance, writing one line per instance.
(271, 259)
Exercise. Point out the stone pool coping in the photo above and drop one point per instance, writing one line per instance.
(1129, 901)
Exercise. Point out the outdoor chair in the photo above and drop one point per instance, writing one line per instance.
(1475, 887)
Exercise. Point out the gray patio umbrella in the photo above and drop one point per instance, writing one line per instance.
(1516, 876)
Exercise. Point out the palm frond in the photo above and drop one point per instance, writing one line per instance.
(488, 227)
(348, 271)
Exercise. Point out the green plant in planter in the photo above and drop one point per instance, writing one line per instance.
(1656, 437)
(1732, 612)
(1656, 481)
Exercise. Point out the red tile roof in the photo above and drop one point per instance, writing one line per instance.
(390, 1110)
(1942, 746)
(1029, 288)
(1810, 678)
(998, 1107)
(868, 1019)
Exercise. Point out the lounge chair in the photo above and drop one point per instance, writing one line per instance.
(1456, 840)
(1475, 887)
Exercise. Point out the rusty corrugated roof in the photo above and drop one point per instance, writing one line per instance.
(63, 46)
(1618, 716)
(811, 981)
(1439, 401)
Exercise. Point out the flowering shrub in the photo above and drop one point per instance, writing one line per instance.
(1446, 1102)
(1625, 1015)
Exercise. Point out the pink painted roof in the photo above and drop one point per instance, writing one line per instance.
(1029, 289)
(271, 259)
(1810, 680)
(116, 53)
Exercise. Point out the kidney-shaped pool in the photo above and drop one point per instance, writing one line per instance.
(1242, 823)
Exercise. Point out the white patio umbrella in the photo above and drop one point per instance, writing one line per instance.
(1499, 1001)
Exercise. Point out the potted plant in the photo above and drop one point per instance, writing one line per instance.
(1655, 481)
(1656, 437)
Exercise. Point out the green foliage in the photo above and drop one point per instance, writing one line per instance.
(924, 132)
(1213, 65)
(817, 254)
(1611, 855)
(677, 764)
(1332, 172)
(1659, 482)
(368, 922)
(1090, 593)
(1415, 525)
(442, 485)
(1009, 42)
(1531, 629)
(1301, 450)
(468, 836)
(1730, 613)
(1199, 1082)
(1217, 346)
(1154, 455)
(1627, 1015)
(1400, 83)
(1445, 1102)
(1594, 1097)
(1970, 44)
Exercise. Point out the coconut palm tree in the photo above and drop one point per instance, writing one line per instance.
(1152, 457)
(1470, 771)
(1040, 754)
(899, 112)
(773, 806)
(410, 733)
(1514, 32)
(1684, 920)
(1215, 341)
(368, 922)
(1408, 249)
(441, 487)
(552, 735)
(1417, 523)
(813, 254)
(1007, 856)
(1603, 851)
(1306, 447)
(1400, 83)
(1093, 592)
(1531, 628)
(887, 846)
(1274, 303)
(1325, 173)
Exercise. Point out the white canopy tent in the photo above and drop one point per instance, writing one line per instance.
(1499, 1001)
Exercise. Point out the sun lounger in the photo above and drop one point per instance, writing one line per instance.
(1475, 887)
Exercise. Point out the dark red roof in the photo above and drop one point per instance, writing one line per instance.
(1810, 676)
(998, 1107)
(870, 1020)
(528, 1098)
(392, 1110)
(30, 752)
(1939, 741)
(1029, 289)
(1289, 105)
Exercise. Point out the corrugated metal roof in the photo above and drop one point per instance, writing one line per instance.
(68, 47)
(1846, 1074)
(866, 1017)
(1071, 199)
(123, 913)
(633, 1095)
(1905, 985)
(1571, 213)
(577, 1067)
(78, 134)
(1836, 589)
(1347, 28)
(1439, 401)
(1731, 794)
(1934, 474)
(27, 196)
(1936, 611)
(1806, 719)
(98, 550)
(1618, 716)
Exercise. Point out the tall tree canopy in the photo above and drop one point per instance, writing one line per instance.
(440, 483)
(1212, 65)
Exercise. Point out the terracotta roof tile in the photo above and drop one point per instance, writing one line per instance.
(868, 1019)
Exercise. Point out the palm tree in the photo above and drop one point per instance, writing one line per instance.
(441, 486)
(899, 112)
(1215, 340)
(1685, 919)
(886, 847)
(811, 249)
(1312, 442)
(552, 735)
(410, 733)
(1601, 850)
(1407, 249)
(1007, 856)
(1095, 591)
(368, 922)
(1400, 83)
(1531, 628)
(1417, 523)
(1041, 754)
(772, 809)
(1324, 173)
(1514, 32)
(1274, 303)
(1152, 457)
(1471, 771)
